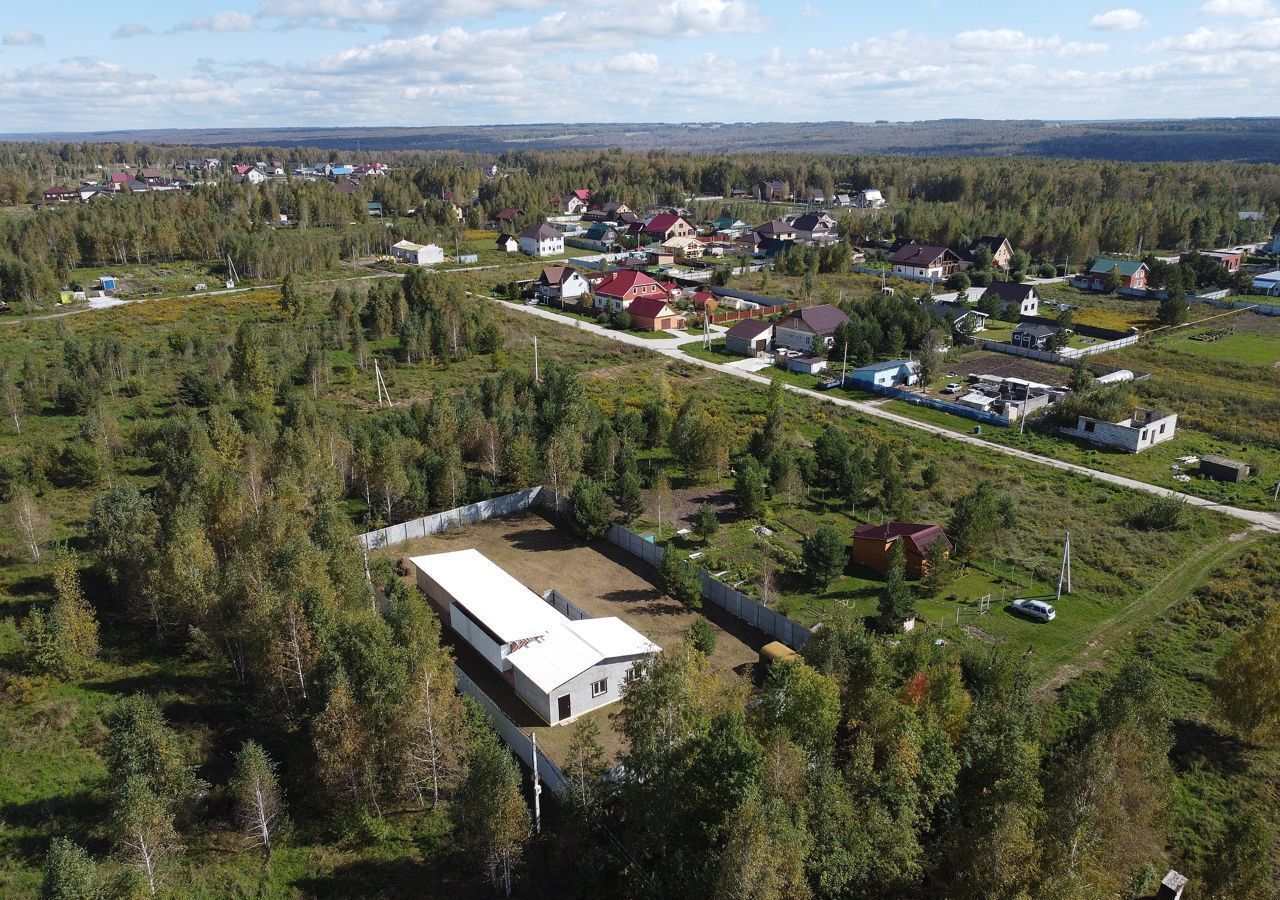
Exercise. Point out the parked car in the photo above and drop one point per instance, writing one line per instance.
(1035, 609)
(953, 388)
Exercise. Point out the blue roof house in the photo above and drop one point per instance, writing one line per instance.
(893, 373)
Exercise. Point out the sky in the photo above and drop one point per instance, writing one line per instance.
(75, 65)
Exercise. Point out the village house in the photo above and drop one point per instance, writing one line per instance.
(798, 330)
(506, 218)
(1132, 273)
(686, 246)
(560, 668)
(1231, 260)
(749, 337)
(870, 198)
(729, 226)
(769, 191)
(962, 319)
(667, 225)
(417, 254)
(873, 546)
(653, 314)
(541, 240)
(560, 283)
(924, 261)
(891, 373)
(815, 228)
(1001, 251)
(60, 194)
(507, 243)
(620, 288)
(569, 204)
(1145, 428)
(776, 230)
(1022, 297)
(1033, 335)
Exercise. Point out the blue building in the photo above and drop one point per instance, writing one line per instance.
(893, 373)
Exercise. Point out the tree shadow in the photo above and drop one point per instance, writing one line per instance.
(372, 879)
(33, 824)
(1197, 745)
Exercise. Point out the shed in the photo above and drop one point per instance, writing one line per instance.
(1220, 468)
(558, 667)
(749, 337)
(805, 365)
(893, 373)
(776, 651)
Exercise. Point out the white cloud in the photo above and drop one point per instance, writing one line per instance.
(637, 63)
(20, 37)
(1007, 41)
(1122, 19)
(228, 20)
(1256, 37)
(810, 11)
(131, 30)
(1247, 9)
(349, 13)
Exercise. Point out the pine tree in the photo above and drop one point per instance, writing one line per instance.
(705, 522)
(630, 498)
(825, 556)
(591, 509)
(897, 602)
(64, 640)
(679, 579)
(256, 793)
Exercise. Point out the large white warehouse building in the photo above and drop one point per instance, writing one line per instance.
(560, 668)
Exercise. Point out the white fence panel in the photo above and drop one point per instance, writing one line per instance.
(511, 733)
(438, 522)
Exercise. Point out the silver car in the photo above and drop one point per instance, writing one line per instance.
(1035, 609)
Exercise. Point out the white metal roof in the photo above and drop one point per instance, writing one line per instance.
(557, 649)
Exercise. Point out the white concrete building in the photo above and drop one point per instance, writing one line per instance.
(541, 240)
(561, 668)
(417, 254)
(1145, 428)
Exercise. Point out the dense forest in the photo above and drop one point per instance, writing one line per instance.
(1056, 210)
(1203, 140)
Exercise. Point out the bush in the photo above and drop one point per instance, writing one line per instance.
(590, 509)
(980, 278)
(1047, 270)
(78, 466)
(701, 636)
(1159, 514)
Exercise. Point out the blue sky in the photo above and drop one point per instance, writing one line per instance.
(75, 65)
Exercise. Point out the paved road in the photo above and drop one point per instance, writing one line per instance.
(671, 347)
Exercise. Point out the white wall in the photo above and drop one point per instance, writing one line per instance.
(794, 338)
(491, 650)
(579, 688)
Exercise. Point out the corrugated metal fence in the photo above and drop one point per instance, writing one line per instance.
(511, 733)
(934, 403)
(793, 634)
(438, 522)
(565, 606)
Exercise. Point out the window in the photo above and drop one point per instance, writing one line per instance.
(600, 688)
(1088, 426)
(1162, 427)
(1143, 436)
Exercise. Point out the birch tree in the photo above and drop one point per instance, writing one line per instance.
(435, 748)
(144, 831)
(11, 397)
(29, 523)
(256, 791)
(491, 817)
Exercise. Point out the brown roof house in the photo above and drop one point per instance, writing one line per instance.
(872, 545)
(924, 261)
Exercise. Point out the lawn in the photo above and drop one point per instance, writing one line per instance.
(1245, 348)
(716, 353)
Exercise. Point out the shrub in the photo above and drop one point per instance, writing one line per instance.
(701, 636)
(1160, 514)
(705, 522)
(824, 556)
(679, 579)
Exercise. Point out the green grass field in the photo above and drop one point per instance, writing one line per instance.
(1244, 348)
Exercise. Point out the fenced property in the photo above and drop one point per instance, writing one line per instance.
(915, 399)
(565, 606)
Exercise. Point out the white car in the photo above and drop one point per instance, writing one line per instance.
(953, 388)
(1035, 609)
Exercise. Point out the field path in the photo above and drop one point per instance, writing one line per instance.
(1175, 586)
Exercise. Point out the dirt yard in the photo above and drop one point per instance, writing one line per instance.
(599, 578)
(1005, 365)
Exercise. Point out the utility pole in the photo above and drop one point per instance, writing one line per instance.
(537, 787)
(537, 379)
(1064, 576)
(380, 383)
(844, 362)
